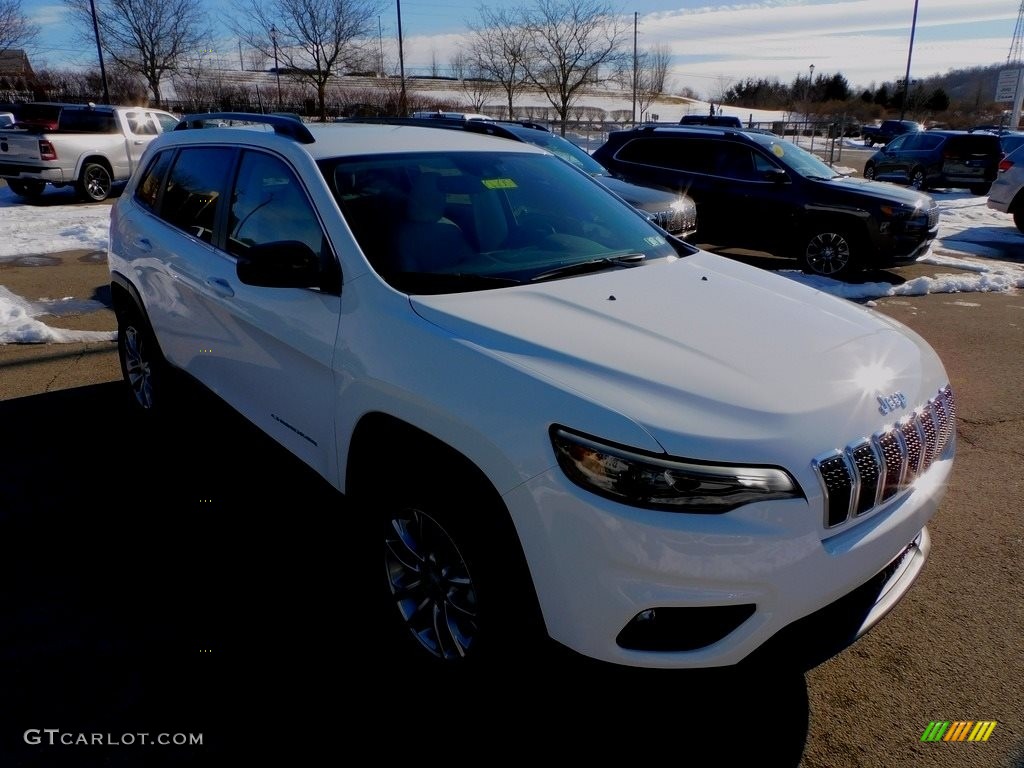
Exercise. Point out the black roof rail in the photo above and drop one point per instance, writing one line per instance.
(283, 126)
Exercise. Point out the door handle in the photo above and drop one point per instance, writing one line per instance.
(220, 286)
(143, 244)
(138, 142)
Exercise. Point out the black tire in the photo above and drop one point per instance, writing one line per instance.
(980, 189)
(95, 183)
(918, 179)
(869, 171)
(142, 364)
(830, 252)
(868, 143)
(28, 189)
(1018, 218)
(459, 597)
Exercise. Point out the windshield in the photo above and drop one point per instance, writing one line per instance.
(452, 222)
(568, 151)
(808, 165)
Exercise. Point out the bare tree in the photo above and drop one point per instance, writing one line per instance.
(478, 88)
(651, 72)
(498, 45)
(256, 61)
(316, 39)
(148, 37)
(459, 63)
(570, 40)
(16, 31)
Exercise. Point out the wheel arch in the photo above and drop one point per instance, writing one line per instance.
(376, 436)
(93, 158)
(1017, 204)
(125, 297)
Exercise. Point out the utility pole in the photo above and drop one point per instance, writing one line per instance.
(634, 66)
(99, 50)
(401, 63)
(906, 80)
(380, 43)
(277, 67)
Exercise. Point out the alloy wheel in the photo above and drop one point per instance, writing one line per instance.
(137, 367)
(431, 585)
(828, 253)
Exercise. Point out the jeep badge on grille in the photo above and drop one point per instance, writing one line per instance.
(890, 403)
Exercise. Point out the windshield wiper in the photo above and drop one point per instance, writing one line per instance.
(594, 265)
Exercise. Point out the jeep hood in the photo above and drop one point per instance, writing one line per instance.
(882, 191)
(713, 358)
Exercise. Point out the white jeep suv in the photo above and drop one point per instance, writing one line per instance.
(562, 419)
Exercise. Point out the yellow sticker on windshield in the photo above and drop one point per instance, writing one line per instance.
(499, 184)
(778, 150)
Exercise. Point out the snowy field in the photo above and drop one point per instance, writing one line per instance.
(983, 245)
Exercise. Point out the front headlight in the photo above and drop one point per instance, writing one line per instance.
(642, 480)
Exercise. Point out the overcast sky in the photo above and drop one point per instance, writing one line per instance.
(713, 43)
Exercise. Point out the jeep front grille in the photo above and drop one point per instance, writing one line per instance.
(933, 217)
(676, 220)
(872, 470)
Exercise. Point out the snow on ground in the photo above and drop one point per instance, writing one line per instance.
(18, 323)
(33, 230)
(983, 246)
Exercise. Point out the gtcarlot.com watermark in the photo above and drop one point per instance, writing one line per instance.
(55, 736)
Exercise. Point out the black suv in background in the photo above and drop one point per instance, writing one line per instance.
(929, 159)
(755, 190)
(674, 212)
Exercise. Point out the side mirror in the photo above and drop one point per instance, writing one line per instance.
(776, 175)
(284, 264)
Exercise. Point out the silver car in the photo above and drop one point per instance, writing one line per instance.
(1005, 194)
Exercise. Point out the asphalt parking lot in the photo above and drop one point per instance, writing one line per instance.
(190, 576)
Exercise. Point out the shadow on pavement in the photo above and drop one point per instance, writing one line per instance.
(193, 577)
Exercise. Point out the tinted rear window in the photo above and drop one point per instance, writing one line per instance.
(975, 144)
(87, 121)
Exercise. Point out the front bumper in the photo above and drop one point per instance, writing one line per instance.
(597, 564)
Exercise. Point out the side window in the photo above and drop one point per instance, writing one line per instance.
(762, 164)
(928, 142)
(195, 189)
(645, 151)
(733, 161)
(149, 187)
(268, 206)
(896, 145)
(140, 123)
(167, 122)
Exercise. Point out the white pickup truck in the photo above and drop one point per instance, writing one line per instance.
(92, 147)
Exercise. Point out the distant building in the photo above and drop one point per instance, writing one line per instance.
(16, 72)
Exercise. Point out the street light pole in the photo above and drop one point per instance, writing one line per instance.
(807, 116)
(906, 79)
(277, 67)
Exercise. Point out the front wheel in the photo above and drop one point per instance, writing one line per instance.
(869, 172)
(30, 189)
(917, 180)
(142, 365)
(95, 183)
(459, 596)
(830, 253)
(980, 189)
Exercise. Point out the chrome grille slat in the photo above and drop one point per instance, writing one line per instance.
(870, 472)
